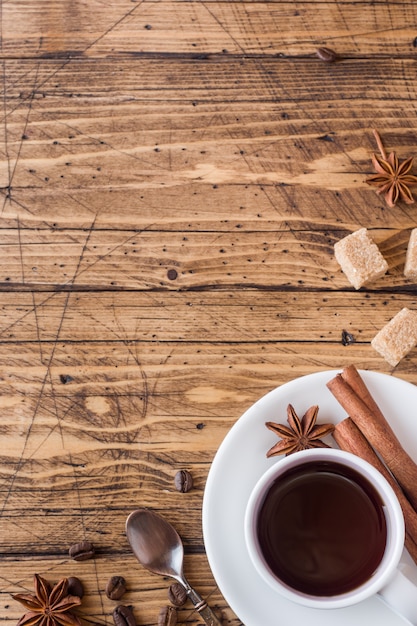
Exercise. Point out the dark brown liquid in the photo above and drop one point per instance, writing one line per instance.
(322, 529)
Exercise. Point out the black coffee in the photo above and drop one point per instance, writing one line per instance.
(322, 529)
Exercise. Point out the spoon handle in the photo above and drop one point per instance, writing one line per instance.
(202, 608)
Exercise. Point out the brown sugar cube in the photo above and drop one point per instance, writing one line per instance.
(410, 268)
(398, 337)
(360, 258)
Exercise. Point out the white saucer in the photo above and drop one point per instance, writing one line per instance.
(240, 461)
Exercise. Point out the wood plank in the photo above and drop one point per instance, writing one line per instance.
(45, 28)
(92, 259)
(57, 89)
(204, 318)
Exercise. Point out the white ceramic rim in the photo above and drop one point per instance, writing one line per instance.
(395, 519)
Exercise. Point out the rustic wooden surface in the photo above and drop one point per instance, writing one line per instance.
(174, 175)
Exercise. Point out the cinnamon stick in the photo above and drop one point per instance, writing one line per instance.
(348, 437)
(351, 375)
(380, 435)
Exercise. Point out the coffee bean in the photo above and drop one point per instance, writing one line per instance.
(123, 616)
(65, 378)
(177, 594)
(326, 54)
(82, 551)
(183, 481)
(172, 274)
(347, 338)
(75, 587)
(116, 587)
(167, 616)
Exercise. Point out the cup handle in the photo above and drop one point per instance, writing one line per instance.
(400, 593)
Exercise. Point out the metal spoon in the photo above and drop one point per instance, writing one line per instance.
(158, 547)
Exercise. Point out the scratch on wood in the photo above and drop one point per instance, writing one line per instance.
(5, 129)
(47, 378)
(68, 60)
(113, 26)
(25, 125)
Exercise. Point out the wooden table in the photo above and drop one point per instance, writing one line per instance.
(174, 176)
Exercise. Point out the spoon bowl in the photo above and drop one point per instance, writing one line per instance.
(155, 543)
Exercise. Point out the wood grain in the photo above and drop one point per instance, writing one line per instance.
(142, 147)
(44, 29)
(204, 317)
(90, 260)
(173, 178)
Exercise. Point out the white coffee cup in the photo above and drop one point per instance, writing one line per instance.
(389, 579)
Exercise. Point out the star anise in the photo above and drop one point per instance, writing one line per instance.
(301, 434)
(48, 606)
(393, 177)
